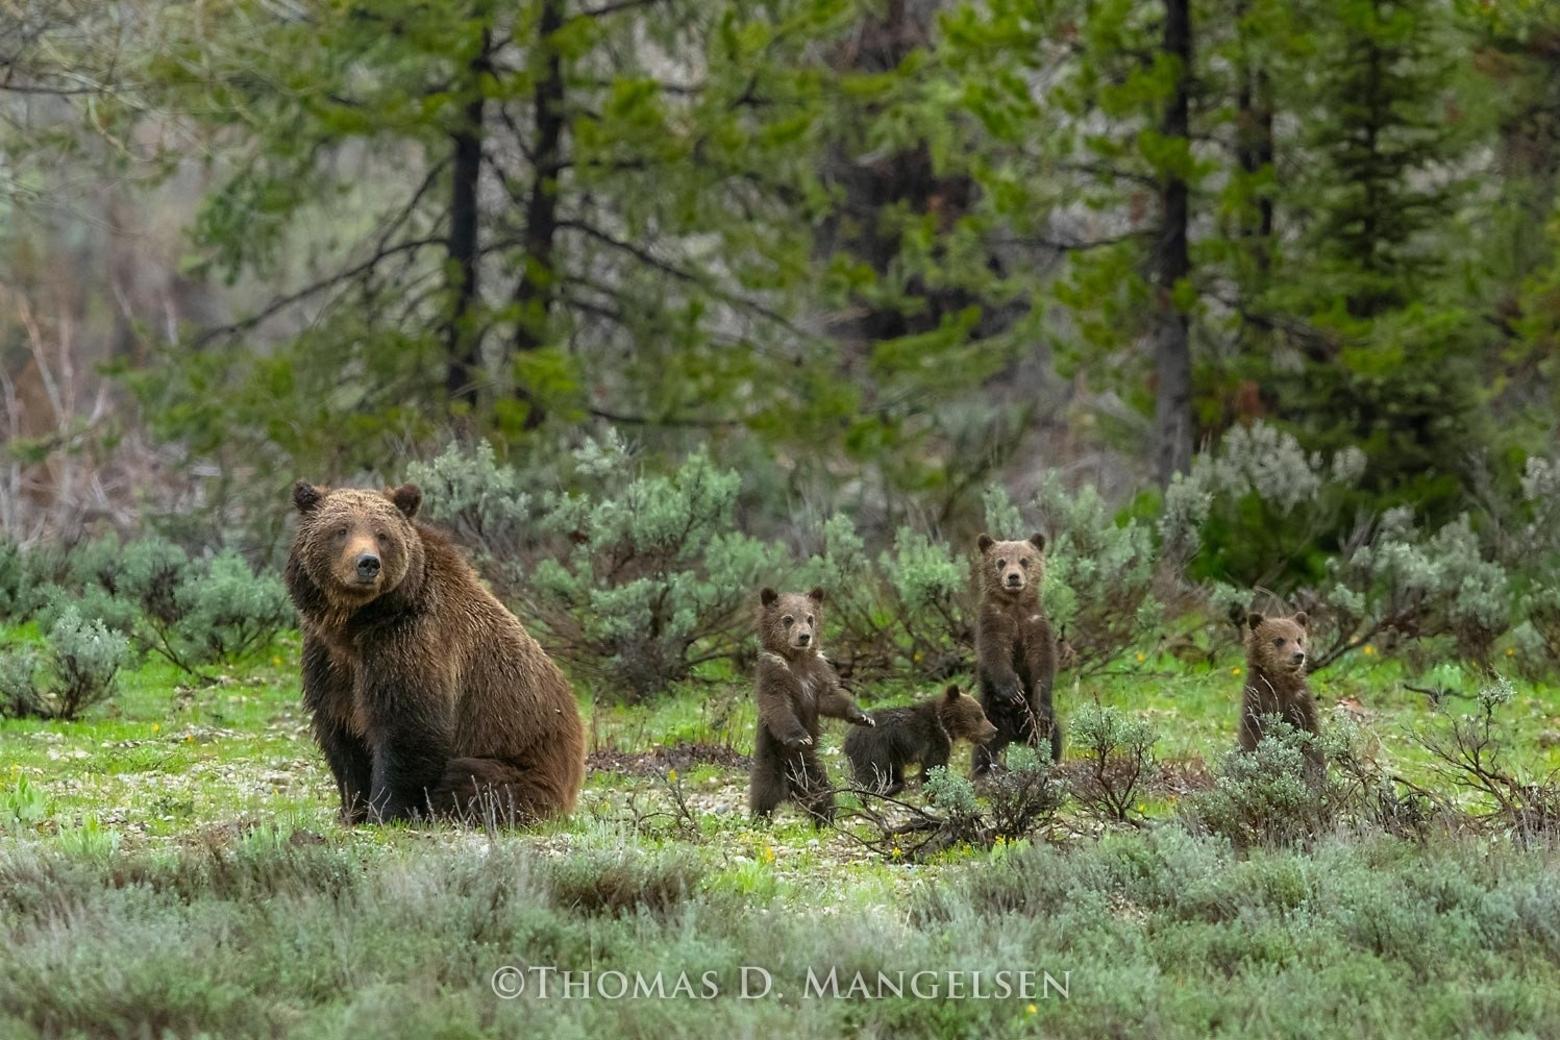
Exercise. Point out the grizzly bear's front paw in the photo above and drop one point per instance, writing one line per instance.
(799, 742)
(862, 719)
(1012, 692)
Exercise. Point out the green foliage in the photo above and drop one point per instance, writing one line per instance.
(1266, 796)
(644, 577)
(1118, 754)
(78, 668)
(907, 611)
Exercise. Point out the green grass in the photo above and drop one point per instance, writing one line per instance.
(172, 865)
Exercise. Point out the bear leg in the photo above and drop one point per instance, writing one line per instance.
(352, 766)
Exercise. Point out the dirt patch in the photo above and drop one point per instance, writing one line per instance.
(658, 760)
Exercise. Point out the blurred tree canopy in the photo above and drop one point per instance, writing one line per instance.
(877, 253)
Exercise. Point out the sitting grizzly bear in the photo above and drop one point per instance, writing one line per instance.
(922, 733)
(1275, 682)
(427, 694)
(794, 686)
(1015, 651)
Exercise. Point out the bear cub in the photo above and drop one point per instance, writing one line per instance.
(427, 695)
(1015, 650)
(922, 733)
(794, 687)
(1276, 651)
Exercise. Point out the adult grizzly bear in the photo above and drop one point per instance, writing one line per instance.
(1276, 649)
(794, 686)
(1015, 651)
(922, 733)
(427, 694)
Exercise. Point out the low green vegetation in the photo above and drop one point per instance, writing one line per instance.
(172, 861)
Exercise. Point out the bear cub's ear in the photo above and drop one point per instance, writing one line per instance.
(1038, 541)
(767, 596)
(816, 595)
(1254, 619)
(985, 542)
(952, 694)
(1302, 619)
(306, 496)
(407, 498)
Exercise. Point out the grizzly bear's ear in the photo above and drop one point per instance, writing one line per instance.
(306, 496)
(1302, 619)
(768, 596)
(985, 542)
(816, 595)
(1038, 541)
(407, 498)
(1254, 619)
(952, 694)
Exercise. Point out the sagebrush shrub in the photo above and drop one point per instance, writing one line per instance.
(645, 577)
(78, 667)
(905, 611)
(1266, 796)
(1117, 752)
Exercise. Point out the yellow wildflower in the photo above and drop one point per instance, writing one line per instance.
(1370, 651)
(1030, 1009)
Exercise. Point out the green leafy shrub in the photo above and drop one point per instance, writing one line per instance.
(643, 578)
(1255, 508)
(1266, 796)
(218, 614)
(1393, 583)
(907, 611)
(79, 667)
(1118, 760)
(21, 694)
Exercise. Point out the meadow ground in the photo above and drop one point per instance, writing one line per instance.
(172, 866)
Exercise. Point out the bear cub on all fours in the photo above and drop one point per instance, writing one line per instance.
(1276, 650)
(1015, 650)
(794, 686)
(426, 693)
(922, 733)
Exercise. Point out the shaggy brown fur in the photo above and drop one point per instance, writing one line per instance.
(1015, 650)
(427, 694)
(794, 686)
(922, 733)
(1275, 680)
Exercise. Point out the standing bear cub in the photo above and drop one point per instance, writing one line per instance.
(1015, 650)
(794, 686)
(922, 733)
(428, 697)
(1275, 682)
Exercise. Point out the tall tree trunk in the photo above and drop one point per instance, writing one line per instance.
(534, 293)
(463, 338)
(1172, 343)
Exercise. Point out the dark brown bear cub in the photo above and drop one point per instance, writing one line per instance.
(1015, 650)
(1275, 681)
(922, 733)
(427, 694)
(794, 686)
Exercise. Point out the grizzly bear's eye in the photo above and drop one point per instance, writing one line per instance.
(1023, 563)
(341, 532)
(809, 619)
(1279, 641)
(1001, 563)
(788, 621)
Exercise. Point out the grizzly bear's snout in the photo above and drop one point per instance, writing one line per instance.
(367, 567)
